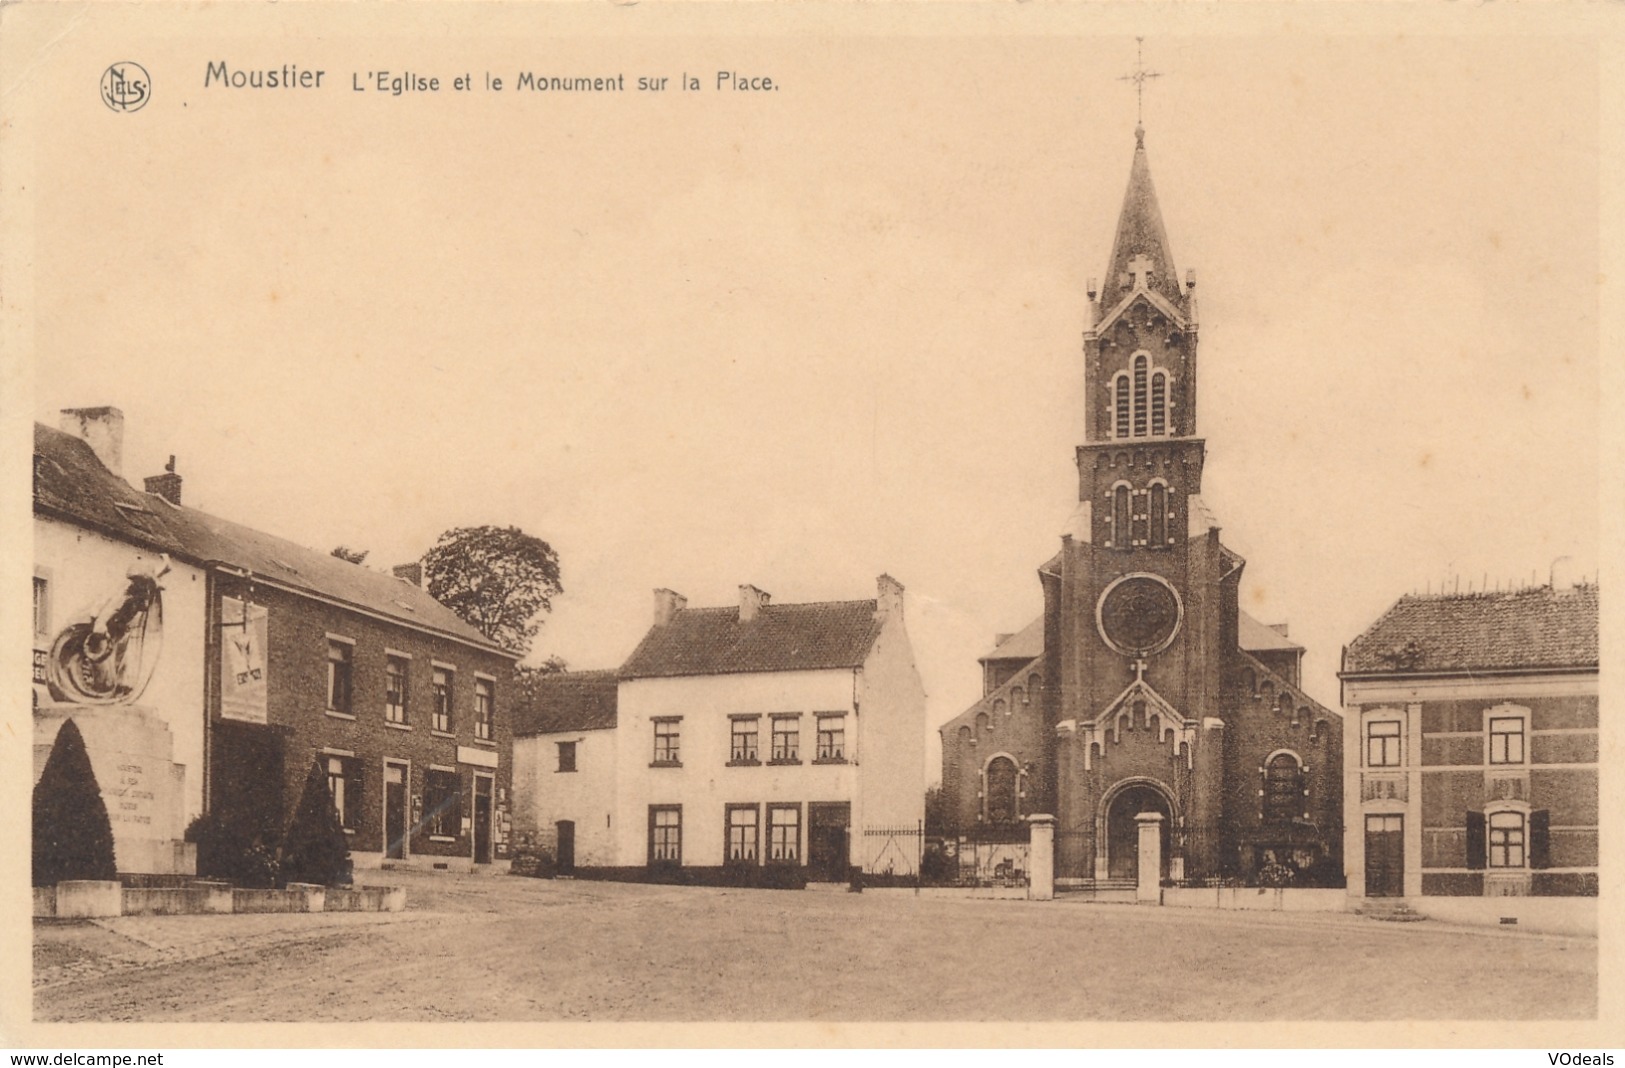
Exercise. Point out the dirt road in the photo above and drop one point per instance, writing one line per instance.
(504, 948)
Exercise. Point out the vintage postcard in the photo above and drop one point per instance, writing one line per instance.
(672, 525)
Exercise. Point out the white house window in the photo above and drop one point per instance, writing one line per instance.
(1382, 743)
(743, 742)
(743, 833)
(832, 738)
(784, 834)
(665, 834)
(786, 740)
(668, 741)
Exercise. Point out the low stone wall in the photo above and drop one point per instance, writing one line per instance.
(84, 899)
(1257, 899)
(1546, 915)
(1005, 893)
(88, 898)
(176, 901)
(365, 899)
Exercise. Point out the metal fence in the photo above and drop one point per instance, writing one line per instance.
(894, 852)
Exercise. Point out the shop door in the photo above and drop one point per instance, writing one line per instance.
(394, 810)
(1385, 856)
(827, 824)
(482, 819)
(567, 847)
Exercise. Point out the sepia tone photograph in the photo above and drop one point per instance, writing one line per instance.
(714, 515)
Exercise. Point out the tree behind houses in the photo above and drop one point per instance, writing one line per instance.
(73, 838)
(316, 849)
(499, 580)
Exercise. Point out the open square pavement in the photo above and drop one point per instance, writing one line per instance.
(501, 948)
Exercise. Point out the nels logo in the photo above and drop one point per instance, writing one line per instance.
(126, 87)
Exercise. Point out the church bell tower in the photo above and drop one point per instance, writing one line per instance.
(1138, 598)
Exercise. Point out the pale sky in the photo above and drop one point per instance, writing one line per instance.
(800, 338)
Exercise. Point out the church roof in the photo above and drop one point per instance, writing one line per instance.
(1140, 233)
(1024, 645)
(1256, 637)
(783, 637)
(568, 701)
(1531, 629)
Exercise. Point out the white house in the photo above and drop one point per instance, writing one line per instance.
(742, 737)
(565, 762)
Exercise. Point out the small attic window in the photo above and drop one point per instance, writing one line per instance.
(403, 604)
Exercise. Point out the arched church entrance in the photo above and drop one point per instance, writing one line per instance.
(1123, 831)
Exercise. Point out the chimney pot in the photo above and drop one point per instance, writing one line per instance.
(667, 604)
(751, 602)
(166, 485)
(100, 428)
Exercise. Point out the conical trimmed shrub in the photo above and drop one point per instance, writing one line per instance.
(316, 849)
(73, 838)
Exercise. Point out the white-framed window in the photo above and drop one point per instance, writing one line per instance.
(1506, 735)
(340, 676)
(42, 605)
(344, 783)
(1383, 743)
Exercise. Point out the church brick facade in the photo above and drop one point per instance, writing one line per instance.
(1143, 687)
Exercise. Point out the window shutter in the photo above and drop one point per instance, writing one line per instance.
(1476, 847)
(1540, 848)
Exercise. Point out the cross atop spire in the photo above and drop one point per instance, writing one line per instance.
(1139, 77)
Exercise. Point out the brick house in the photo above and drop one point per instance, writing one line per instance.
(738, 738)
(1143, 688)
(291, 656)
(1475, 719)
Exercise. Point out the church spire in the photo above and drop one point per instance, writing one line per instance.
(1140, 251)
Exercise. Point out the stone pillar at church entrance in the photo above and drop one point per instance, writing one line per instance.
(1148, 890)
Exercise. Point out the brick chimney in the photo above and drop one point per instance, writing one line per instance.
(667, 604)
(412, 572)
(888, 598)
(100, 428)
(166, 485)
(751, 602)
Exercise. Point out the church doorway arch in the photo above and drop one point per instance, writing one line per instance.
(1119, 850)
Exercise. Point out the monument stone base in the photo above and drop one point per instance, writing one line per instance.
(132, 753)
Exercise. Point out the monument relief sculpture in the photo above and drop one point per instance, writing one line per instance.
(107, 657)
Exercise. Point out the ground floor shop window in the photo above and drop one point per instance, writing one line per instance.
(442, 803)
(344, 783)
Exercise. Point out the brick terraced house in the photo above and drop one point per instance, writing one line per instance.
(1471, 721)
(281, 655)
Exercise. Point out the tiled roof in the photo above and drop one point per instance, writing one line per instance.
(568, 701)
(782, 637)
(1256, 637)
(70, 480)
(1523, 629)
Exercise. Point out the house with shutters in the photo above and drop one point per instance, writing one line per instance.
(754, 736)
(1471, 723)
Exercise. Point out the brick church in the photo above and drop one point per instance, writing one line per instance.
(1143, 687)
